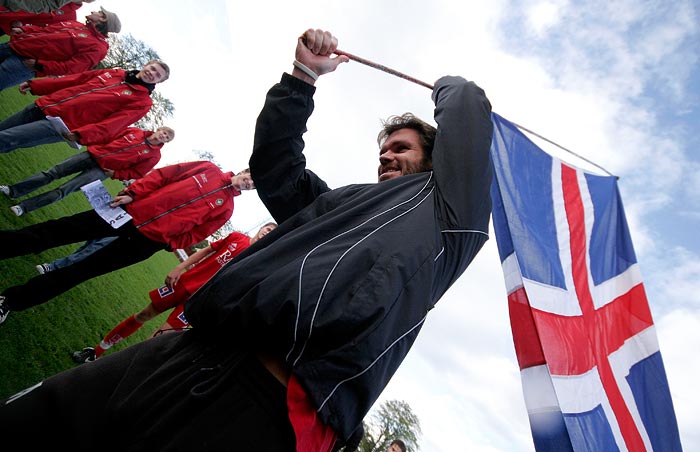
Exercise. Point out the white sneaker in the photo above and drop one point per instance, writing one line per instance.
(17, 210)
(5, 189)
(4, 310)
(43, 268)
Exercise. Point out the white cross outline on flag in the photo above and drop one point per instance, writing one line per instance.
(600, 377)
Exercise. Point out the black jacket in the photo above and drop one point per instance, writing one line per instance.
(343, 285)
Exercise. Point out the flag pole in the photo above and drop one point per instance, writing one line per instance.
(381, 67)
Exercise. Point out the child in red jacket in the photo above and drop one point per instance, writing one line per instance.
(131, 156)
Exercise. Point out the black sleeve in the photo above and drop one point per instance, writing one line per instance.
(277, 164)
(461, 160)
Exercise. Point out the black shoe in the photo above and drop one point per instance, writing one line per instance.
(4, 310)
(86, 355)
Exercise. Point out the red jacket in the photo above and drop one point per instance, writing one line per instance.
(181, 204)
(64, 13)
(96, 104)
(61, 48)
(129, 156)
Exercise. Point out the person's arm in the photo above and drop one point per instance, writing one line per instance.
(48, 85)
(277, 163)
(201, 231)
(86, 55)
(139, 168)
(34, 6)
(461, 161)
(163, 176)
(109, 128)
(174, 276)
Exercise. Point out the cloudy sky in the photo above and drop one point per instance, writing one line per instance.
(617, 82)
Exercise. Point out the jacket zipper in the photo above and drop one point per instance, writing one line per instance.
(138, 226)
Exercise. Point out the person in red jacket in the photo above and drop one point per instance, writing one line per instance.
(171, 207)
(179, 287)
(37, 6)
(95, 106)
(130, 156)
(12, 19)
(67, 47)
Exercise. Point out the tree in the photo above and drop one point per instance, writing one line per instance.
(127, 52)
(393, 420)
(206, 155)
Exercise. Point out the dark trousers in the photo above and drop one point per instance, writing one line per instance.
(175, 392)
(129, 248)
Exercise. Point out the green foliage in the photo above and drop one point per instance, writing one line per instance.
(206, 155)
(393, 420)
(127, 52)
(36, 343)
(161, 109)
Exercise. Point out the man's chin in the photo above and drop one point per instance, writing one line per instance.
(389, 175)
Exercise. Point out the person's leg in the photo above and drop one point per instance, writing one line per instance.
(176, 392)
(81, 253)
(125, 328)
(73, 164)
(176, 321)
(13, 71)
(87, 175)
(162, 299)
(36, 238)
(69, 409)
(29, 113)
(28, 135)
(123, 252)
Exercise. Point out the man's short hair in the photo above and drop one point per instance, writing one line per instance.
(245, 171)
(426, 132)
(165, 67)
(399, 443)
(169, 130)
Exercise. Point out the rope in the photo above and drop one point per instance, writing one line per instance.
(565, 149)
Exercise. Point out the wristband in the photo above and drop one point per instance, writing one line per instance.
(303, 68)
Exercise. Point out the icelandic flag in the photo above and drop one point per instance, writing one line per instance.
(591, 370)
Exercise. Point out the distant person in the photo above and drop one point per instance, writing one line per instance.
(10, 19)
(131, 156)
(179, 287)
(96, 106)
(396, 446)
(62, 48)
(38, 6)
(171, 207)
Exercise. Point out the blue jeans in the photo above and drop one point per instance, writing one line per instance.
(82, 163)
(81, 253)
(27, 128)
(12, 68)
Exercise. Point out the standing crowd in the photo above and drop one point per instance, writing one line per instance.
(284, 339)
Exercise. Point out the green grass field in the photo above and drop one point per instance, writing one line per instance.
(37, 343)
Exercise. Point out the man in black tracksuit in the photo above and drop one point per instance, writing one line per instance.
(329, 303)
